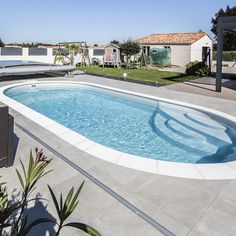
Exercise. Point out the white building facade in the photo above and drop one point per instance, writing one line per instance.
(185, 47)
(44, 55)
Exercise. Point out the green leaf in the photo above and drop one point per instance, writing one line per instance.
(76, 196)
(69, 212)
(23, 168)
(20, 178)
(68, 198)
(62, 213)
(54, 201)
(66, 204)
(39, 169)
(36, 180)
(86, 228)
(30, 167)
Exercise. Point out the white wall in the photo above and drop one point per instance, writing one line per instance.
(196, 48)
(180, 54)
(91, 54)
(25, 56)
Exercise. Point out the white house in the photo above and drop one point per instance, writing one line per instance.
(183, 47)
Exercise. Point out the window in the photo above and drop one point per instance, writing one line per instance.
(98, 52)
(114, 50)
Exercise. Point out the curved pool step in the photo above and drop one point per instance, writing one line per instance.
(213, 135)
(174, 139)
(204, 121)
(197, 144)
(183, 131)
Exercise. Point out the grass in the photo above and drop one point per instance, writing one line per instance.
(162, 77)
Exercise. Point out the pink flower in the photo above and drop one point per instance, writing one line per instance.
(40, 157)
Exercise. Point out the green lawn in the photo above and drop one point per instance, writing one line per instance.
(161, 77)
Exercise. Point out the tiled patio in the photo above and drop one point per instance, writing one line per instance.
(183, 206)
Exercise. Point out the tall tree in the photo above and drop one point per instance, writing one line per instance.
(2, 43)
(229, 39)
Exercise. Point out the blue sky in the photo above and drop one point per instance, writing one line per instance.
(101, 21)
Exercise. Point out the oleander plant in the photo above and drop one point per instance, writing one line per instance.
(14, 208)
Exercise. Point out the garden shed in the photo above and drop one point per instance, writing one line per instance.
(112, 54)
(179, 48)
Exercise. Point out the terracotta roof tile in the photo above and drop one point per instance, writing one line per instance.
(172, 38)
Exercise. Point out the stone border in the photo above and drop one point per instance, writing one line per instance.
(184, 170)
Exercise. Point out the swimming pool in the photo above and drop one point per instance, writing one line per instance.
(132, 124)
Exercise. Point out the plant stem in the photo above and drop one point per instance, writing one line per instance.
(15, 228)
(59, 229)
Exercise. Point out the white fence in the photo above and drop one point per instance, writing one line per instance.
(44, 55)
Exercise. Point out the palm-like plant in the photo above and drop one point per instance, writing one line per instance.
(65, 209)
(28, 179)
(13, 215)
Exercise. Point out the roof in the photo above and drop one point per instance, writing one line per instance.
(97, 47)
(172, 38)
(113, 45)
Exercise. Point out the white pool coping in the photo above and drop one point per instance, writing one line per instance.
(216, 171)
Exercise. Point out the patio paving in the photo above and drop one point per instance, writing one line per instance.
(183, 206)
(206, 87)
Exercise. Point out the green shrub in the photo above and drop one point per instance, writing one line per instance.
(226, 56)
(197, 68)
(95, 61)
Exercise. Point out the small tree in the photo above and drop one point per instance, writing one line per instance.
(73, 49)
(229, 40)
(115, 42)
(130, 48)
(2, 43)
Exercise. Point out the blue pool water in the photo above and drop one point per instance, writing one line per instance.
(131, 124)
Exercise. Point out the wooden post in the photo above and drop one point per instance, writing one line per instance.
(209, 56)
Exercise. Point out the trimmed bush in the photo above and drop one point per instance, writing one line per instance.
(226, 56)
(197, 68)
(95, 61)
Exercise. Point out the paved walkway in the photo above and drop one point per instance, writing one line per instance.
(184, 206)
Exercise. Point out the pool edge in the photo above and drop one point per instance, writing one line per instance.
(174, 169)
